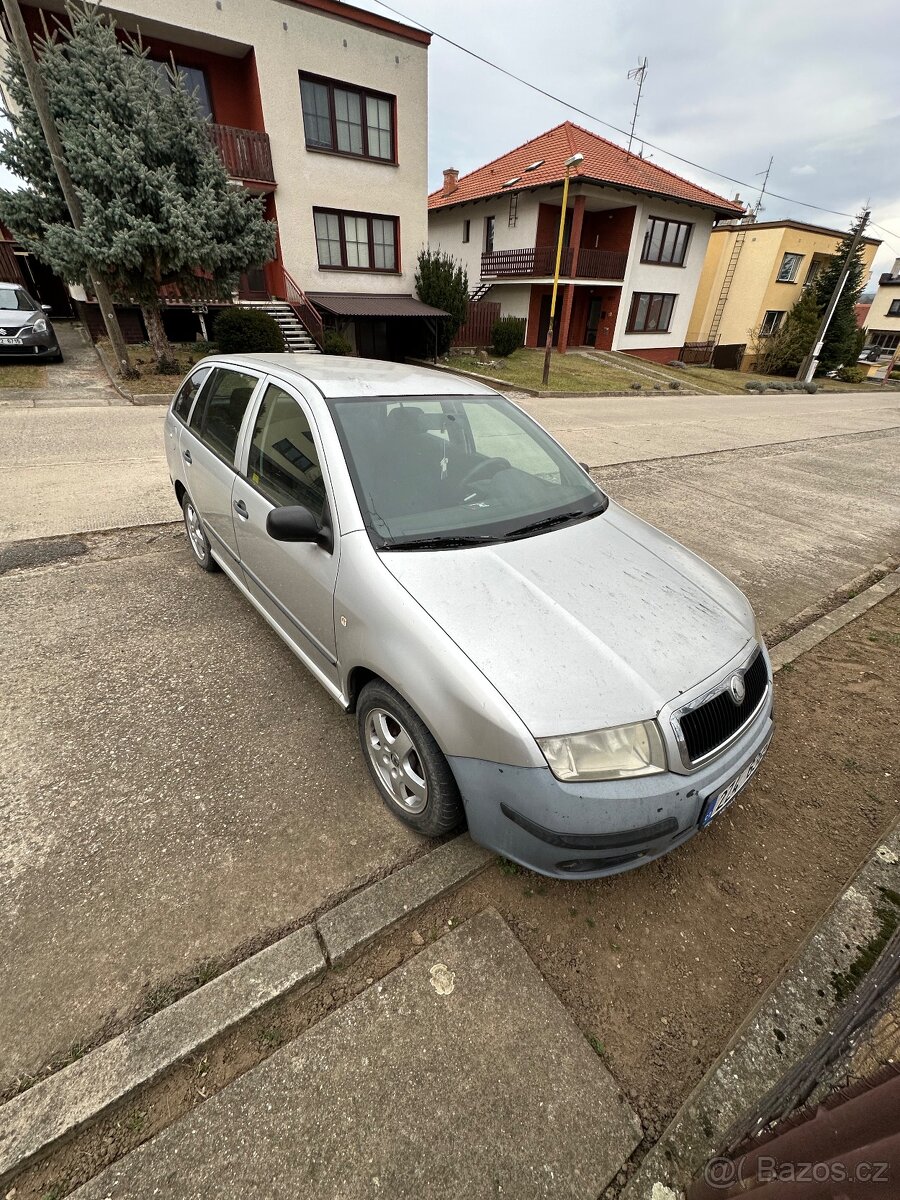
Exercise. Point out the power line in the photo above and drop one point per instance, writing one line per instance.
(623, 132)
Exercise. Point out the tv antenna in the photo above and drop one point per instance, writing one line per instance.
(758, 207)
(637, 73)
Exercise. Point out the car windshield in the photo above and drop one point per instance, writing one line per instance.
(433, 472)
(15, 298)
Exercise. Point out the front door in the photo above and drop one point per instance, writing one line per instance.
(595, 311)
(293, 581)
(208, 447)
(253, 285)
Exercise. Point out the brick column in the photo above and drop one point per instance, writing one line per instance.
(568, 298)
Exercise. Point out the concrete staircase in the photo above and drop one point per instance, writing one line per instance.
(297, 339)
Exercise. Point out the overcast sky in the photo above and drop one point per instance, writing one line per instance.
(814, 83)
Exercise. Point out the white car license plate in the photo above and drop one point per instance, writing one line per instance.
(9, 341)
(720, 800)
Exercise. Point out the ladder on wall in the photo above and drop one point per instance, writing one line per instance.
(713, 335)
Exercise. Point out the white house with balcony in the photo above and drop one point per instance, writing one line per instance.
(321, 109)
(635, 237)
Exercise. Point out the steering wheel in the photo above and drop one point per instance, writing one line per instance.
(482, 470)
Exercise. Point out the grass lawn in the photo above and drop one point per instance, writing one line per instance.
(568, 373)
(27, 375)
(575, 373)
(186, 354)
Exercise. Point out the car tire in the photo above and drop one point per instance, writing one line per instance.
(197, 539)
(405, 762)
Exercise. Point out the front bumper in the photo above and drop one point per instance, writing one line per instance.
(32, 345)
(587, 830)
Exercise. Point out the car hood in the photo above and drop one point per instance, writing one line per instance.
(594, 624)
(15, 318)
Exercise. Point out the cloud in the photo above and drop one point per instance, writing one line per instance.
(806, 169)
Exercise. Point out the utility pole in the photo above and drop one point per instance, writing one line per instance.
(22, 43)
(637, 73)
(808, 366)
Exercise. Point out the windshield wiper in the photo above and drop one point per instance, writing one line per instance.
(440, 543)
(558, 519)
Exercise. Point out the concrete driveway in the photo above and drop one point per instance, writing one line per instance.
(177, 788)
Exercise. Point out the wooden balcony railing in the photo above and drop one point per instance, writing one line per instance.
(539, 261)
(245, 153)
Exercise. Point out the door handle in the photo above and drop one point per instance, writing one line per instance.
(241, 509)
(186, 455)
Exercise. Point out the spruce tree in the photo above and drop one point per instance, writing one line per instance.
(841, 339)
(444, 283)
(797, 334)
(158, 205)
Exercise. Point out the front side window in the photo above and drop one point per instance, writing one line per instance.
(432, 472)
(666, 241)
(218, 417)
(284, 462)
(651, 312)
(790, 265)
(356, 241)
(188, 393)
(347, 119)
(771, 323)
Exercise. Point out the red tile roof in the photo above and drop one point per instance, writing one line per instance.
(604, 162)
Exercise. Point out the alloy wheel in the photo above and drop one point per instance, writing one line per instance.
(396, 760)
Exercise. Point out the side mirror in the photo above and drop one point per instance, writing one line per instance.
(295, 523)
(46, 307)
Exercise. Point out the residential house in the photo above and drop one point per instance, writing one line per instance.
(635, 238)
(321, 108)
(752, 276)
(882, 323)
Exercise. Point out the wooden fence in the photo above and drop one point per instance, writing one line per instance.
(479, 322)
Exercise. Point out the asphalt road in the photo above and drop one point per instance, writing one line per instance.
(176, 787)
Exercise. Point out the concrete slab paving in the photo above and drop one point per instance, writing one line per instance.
(463, 1046)
(174, 787)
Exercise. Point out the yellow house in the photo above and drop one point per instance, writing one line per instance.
(752, 276)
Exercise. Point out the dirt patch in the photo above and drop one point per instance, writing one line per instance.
(658, 966)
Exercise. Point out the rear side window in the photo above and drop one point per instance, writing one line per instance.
(188, 392)
(221, 410)
(284, 462)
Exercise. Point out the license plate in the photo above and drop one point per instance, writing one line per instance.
(9, 341)
(720, 800)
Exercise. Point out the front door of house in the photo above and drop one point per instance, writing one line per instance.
(595, 312)
(252, 285)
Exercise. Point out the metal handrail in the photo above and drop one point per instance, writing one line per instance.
(304, 308)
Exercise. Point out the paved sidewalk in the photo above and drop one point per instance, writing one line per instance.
(459, 1074)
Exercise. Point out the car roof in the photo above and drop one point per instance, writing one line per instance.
(336, 376)
(3, 283)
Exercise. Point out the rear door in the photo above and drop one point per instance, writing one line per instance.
(208, 447)
(294, 582)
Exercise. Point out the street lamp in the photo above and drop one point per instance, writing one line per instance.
(574, 161)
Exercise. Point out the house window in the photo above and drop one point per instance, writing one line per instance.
(666, 241)
(790, 265)
(651, 312)
(356, 241)
(488, 234)
(347, 119)
(513, 209)
(194, 81)
(771, 322)
(894, 309)
(467, 229)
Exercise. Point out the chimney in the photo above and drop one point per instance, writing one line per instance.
(451, 180)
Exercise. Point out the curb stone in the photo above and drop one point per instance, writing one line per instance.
(39, 1119)
(344, 930)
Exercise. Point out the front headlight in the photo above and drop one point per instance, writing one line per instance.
(40, 325)
(618, 753)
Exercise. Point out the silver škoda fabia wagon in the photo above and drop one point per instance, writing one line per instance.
(521, 654)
